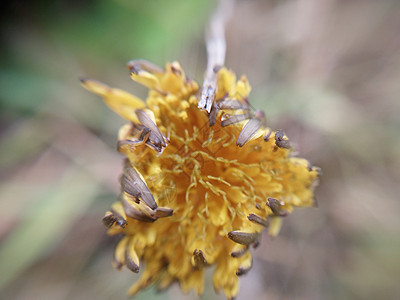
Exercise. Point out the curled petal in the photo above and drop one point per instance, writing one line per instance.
(145, 73)
(246, 266)
(239, 250)
(131, 257)
(119, 253)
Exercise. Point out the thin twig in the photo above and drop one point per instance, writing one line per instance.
(216, 48)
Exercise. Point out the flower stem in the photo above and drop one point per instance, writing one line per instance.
(216, 49)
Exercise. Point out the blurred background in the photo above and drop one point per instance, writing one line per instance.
(325, 71)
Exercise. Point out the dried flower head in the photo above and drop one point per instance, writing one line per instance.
(197, 188)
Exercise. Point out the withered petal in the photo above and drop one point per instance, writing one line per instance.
(213, 115)
(280, 141)
(257, 219)
(244, 238)
(111, 218)
(140, 185)
(248, 131)
(162, 212)
(199, 259)
(243, 270)
(231, 104)
(239, 253)
(267, 135)
(275, 206)
(148, 122)
(133, 213)
(135, 66)
(132, 260)
(235, 119)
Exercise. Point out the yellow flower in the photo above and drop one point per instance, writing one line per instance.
(197, 188)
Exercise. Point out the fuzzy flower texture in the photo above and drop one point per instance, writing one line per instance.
(198, 187)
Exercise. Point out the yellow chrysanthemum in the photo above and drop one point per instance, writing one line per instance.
(198, 188)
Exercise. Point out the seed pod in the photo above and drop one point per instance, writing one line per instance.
(136, 184)
(119, 253)
(162, 212)
(213, 115)
(250, 129)
(244, 238)
(235, 119)
(111, 218)
(148, 122)
(257, 219)
(128, 186)
(280, 141)
(135, 66)
(267, 135)
(131, 258)
(275, 206)
(199, 260)
(239, 250)
(231, 104)
(133, 213)
(245, 266)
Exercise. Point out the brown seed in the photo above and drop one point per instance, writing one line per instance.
(248, 131)
(243, 270)
(275, 206)
(121, 222)
(135, 66)
(130, 187)
(137, 184)
(199, 259)
(133, 213)
(239, 253)
(213, 115)
(162, 212)
(130, 263)
(231, 104)
(257, 219)
(235, 119)
(243, 238)
(148, 122)
(267, 135)
(280, 141)
(109, 219)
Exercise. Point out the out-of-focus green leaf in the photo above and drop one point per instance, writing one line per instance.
(45, 224)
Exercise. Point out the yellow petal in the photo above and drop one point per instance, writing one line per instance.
(119, 254)
(146, 78)
(123, 103)
(274, 226)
